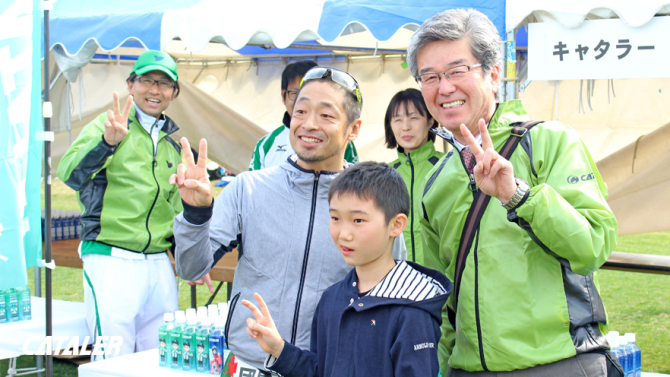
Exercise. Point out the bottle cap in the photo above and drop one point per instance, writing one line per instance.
(630, 336)
(206, 322)
(168, 317)
(622, 340)
(190, 312)
(192, 321)
(212, 307)
(613, 341)
(614, 333)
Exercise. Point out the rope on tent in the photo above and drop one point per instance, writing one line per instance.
(637, 142)
(580, 109)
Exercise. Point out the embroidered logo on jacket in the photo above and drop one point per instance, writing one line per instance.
(421, 346)
(280, 148)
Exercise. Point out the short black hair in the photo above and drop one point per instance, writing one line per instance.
(374, 181)
(294, 70)
(133, 75)
(350, 102)
(404, 97)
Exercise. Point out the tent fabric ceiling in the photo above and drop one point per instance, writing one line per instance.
(197, 22)
(571, 13)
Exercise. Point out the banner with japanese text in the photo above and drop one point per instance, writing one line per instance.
(20, 151)
(599, 49)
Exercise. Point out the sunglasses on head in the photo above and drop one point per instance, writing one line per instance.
(335, 75)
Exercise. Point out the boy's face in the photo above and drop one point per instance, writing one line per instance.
(360, 231)
(200, 349)
(187, 348)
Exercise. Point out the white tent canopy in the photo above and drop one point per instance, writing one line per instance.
(571, 13)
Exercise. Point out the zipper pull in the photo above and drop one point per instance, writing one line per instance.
(472, 185)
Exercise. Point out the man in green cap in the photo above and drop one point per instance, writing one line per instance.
(120, 167)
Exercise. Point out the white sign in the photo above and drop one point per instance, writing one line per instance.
(599, 49)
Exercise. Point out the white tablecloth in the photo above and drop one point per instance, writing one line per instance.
(140, 364)
(145, 363)
(68, 319)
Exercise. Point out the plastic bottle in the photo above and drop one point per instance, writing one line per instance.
(613, 340)
(65, 224)
(202, 346)
(25, 313)
(164, 344)
(637, 354)
(175, 340)
(78, 225)
(630, 358)
(217, 341)
(188, 343)
(3, 307)
(12, 301)
(223, 310)
(55, 224)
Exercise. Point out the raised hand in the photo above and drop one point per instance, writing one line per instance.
(116, 125)
(191, 178)
(494, 175)
(263, 329)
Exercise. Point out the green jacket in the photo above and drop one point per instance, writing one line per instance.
(124, 191)
(413, 169)
(275, 147)
(523, 304)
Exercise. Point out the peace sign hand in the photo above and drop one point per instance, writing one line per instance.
(494, 174)
(116, 125)
(192, 179)
(263, 329)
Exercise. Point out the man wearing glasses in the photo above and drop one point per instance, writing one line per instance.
(120, 166)
(275, 147)
(527, 302)
(278, 218)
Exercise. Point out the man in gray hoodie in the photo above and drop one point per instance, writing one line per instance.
(278, 218)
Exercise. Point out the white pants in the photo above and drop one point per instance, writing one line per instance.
(127, 297)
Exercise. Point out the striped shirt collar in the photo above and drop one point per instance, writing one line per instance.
(405, 282)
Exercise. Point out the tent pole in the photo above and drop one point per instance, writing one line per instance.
(47, 187)
(510, 67)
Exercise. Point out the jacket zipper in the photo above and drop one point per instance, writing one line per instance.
(226, 330)
(306, 258)
(158, 191)
(411, 206)
(479, 327)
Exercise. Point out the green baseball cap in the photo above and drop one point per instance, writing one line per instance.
(155, 61)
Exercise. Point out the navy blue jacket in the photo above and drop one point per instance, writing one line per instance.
(393, 330)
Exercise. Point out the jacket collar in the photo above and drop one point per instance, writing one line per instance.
(169, 126)
(407, 284)
(423, 153)
(506, 113)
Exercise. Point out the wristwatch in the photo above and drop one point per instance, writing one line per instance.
(521, 192)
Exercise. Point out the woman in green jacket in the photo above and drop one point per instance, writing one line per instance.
(406, 126)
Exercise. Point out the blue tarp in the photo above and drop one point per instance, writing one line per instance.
(75, 22)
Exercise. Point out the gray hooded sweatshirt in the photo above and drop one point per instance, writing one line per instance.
(278, 218)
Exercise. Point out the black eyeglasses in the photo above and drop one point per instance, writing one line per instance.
(291, 94)
(453, 74)
(340, 77)
(149, 82)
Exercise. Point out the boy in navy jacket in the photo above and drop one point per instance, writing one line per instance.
(384, 317)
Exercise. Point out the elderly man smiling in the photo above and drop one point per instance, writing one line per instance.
(525, 300)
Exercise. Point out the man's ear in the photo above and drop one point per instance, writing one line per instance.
(495, 78)
(130, 87)
(353, 130)
(397, 224)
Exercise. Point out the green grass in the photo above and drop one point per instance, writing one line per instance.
(635, 302)
(640, 303)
